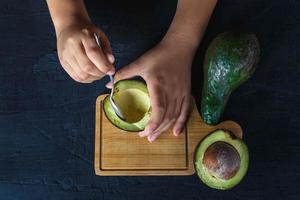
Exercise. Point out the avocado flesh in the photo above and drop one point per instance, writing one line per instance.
(133, 100)
(206, 175)
(230, 60)
(133, 103)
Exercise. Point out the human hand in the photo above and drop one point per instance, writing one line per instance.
(80, 55)
(167, 71)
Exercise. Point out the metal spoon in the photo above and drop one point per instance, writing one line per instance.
(112, 103)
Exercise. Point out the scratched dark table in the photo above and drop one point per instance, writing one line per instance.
(47, 120)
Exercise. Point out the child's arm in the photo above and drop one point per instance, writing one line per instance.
(167, 67)
(78, 52)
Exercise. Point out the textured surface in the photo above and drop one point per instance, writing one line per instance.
(47, 120)
(230, 60)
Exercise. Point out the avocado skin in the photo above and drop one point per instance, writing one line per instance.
(221, 135)
(111, 115)
(230, 60)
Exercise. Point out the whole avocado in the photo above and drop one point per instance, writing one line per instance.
(230, 60)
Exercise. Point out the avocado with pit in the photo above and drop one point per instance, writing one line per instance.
(230, 60)
(221, 160)
(132, 98)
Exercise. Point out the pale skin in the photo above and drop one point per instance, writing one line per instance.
(166, 68)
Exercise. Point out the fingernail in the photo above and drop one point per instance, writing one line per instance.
(151, 138)
(177, 131)
(149, 129)
(146, 132)
(109, 85)
(111, 72)
(142, 133)
(111, 58)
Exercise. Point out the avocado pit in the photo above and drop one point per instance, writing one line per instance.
(221, 160)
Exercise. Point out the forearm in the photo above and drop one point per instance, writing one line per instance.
(66, 12)
(190, 21)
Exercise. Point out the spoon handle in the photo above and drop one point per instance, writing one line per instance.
(97, 40)
(115, 107)
(112, 87)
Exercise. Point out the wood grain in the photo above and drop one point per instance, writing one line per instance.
(118, 152)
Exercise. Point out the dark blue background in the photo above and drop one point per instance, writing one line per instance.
(47, 120)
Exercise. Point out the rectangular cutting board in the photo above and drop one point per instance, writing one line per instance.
(121, 153)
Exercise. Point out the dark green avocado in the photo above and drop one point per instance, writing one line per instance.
(230, 60)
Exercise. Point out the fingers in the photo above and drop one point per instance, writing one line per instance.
(67, 67)
(97, 56)
(153, 137)
(127, 72)
(184, 112)
(105, 44)
(176, 113)
(84, 62)
(157, 133)
(169, 119)
(81, 57)
(82, 76)
(158, 105)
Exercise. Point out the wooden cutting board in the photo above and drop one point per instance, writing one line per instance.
(122, 153)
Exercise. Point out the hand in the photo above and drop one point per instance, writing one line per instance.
(80, 55)
(167, 71)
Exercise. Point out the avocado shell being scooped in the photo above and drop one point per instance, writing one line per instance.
(133, 100)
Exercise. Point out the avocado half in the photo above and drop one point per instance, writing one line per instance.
(133, 100)
(221, 160)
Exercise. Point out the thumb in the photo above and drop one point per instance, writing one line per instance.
(125, 72)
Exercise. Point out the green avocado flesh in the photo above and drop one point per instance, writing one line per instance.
(221, 160)
(133, 100)
(230, 60)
